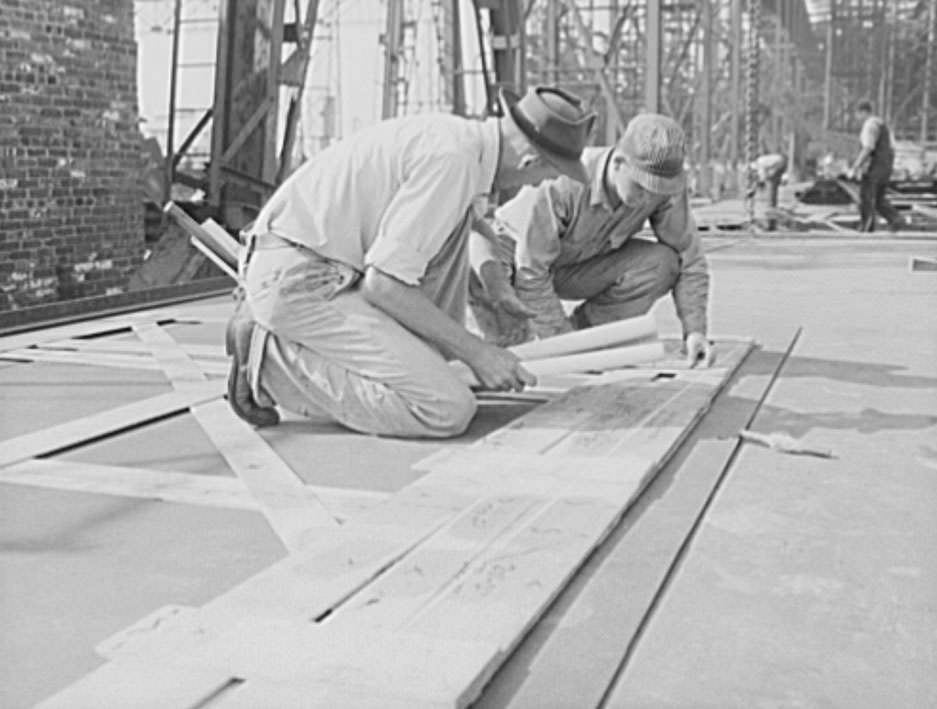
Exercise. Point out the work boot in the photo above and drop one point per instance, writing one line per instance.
(240, 397)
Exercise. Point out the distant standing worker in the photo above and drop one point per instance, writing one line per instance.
(356, 270)
(872, 167)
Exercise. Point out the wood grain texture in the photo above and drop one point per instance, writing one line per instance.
(291, 509)
(570, 658)
(14, 450)
(475, 550)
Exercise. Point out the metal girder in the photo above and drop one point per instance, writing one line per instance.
(654, 45)
(250, 37)
(597, 66)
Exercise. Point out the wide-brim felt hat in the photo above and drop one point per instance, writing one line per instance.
(555, 123)
(654, 148)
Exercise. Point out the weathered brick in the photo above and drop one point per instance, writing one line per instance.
(69, 149)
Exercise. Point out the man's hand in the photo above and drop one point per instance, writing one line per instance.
(508, 319)
(512, 318)
(499, 370)
(698, 347)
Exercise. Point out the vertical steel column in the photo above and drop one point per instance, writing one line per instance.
(550, 32)
(753, 67)
(506, 21)
(708, 8)
(611, 107)
(828, 71)
(458, 69)
(171, 125)
(928, 68)
(890, 65)
(654, 42)
(736, 83)
(392, 33)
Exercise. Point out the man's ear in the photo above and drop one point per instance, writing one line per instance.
(530, 159)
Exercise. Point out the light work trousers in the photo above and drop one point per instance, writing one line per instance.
(322, 351)
(621, 284)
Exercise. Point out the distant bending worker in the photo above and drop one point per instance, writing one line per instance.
(873, 167)
(769, 171)
(355, 272)
(566, 240)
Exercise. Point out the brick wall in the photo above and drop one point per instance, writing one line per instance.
(71, 220)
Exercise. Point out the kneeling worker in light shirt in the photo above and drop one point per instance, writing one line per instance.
(563, 239)
(355, 274)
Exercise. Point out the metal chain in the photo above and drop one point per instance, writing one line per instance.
(752, 72)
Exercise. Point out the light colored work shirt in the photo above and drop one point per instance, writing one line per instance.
(768, 165)
(562, 222)
(388, 196)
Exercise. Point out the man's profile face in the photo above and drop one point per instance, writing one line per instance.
(535, 169)
(629, 191)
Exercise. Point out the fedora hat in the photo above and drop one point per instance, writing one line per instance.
(555, 123)
(654, 147)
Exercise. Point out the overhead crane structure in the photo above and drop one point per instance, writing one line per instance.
(741, 76)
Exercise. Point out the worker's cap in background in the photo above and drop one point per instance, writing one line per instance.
(555, 123)
(654, 148)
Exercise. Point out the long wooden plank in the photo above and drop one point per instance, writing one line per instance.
(99, 359)
(570, 658)
(166, 486)
(117, 686)
(170, 486)
(48, 440)
(346, 565)
(291, 509)
(88, 327)
(123, 346)
(502, 591)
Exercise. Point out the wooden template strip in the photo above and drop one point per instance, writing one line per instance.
(85, 328)
(64, 435)
(88, 359)
(132, 347)
(344, 565)
(291, 509)
(95, 358)
(186, 488)
(168, 486)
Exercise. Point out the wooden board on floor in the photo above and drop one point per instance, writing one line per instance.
(447, 566)
(572, 657)
(30, 445)
(291, 509)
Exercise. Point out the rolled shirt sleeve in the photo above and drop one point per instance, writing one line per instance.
(538, 217)
(432, 200)
(673, 224)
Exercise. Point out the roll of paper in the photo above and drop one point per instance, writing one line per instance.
(592, 338)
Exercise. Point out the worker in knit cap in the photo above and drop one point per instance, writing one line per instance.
(566, 240)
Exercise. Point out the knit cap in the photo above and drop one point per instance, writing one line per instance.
(654, 147)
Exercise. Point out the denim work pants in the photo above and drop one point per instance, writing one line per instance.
(322, 351)
(872, 200)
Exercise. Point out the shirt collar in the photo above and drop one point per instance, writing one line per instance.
(596, 161)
